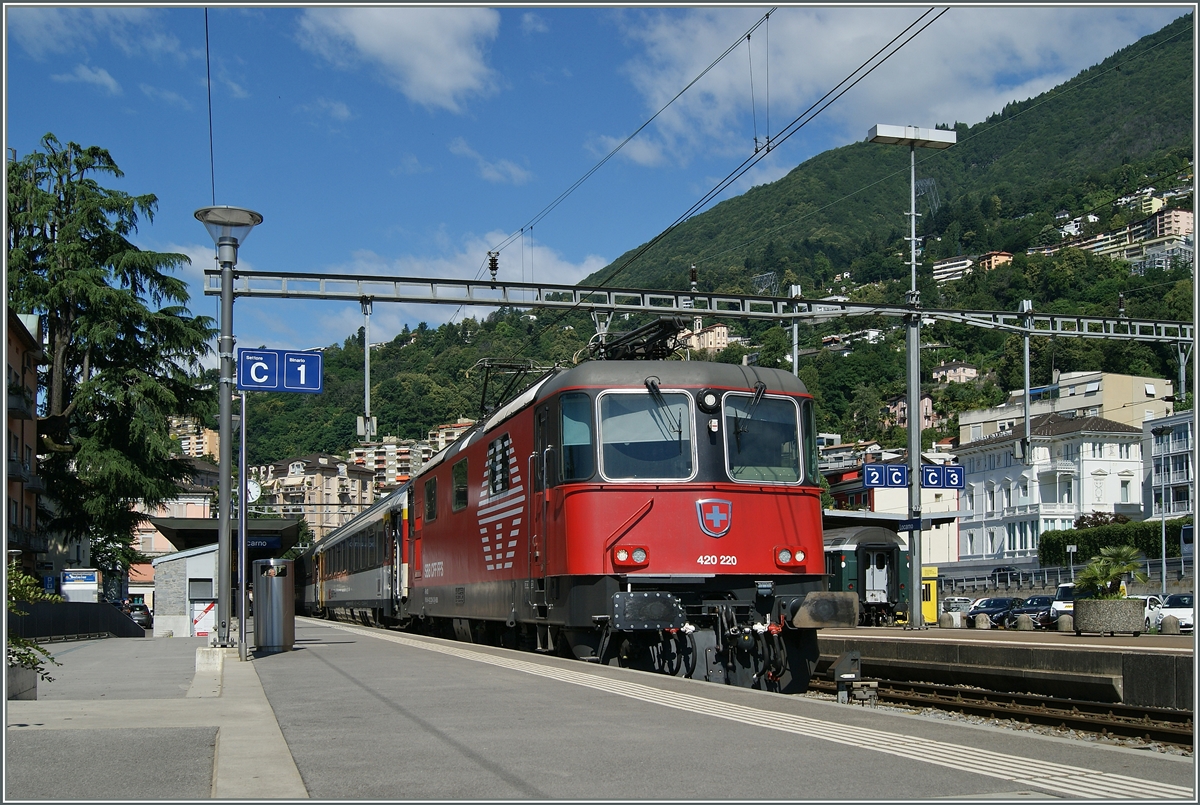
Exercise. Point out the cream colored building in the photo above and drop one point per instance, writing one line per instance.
(326, 490)
(443, 435)
(712, 338)
(195, 440)
(1126, 399)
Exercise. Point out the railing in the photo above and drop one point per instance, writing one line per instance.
(1174, 507)
(18, 470)
(1044, 579)
(71, 620)
(27, 540)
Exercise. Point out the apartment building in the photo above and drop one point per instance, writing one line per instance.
(195, 440)
(1128, 399)
(326, 490)
(1077, 465)
(951, 269)
(992, 260)
(31, 547)
(443, 435)
(954, 372)
(1168, 474)
(393, 460)
(895, 412)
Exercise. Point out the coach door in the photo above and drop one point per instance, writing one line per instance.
(878, 574)
(538, 461)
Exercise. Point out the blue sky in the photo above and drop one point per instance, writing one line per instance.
(409, 141)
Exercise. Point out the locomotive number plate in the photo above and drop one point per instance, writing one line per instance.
(715, 559)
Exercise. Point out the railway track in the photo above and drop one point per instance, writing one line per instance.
(1120, 720)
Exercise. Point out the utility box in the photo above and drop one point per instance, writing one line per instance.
(274, 604)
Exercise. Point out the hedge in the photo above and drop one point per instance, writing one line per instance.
(1146, 536)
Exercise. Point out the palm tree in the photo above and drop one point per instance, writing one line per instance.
(1104, 573)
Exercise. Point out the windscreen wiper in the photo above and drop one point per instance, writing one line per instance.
(657, 395)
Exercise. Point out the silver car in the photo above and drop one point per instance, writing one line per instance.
(1180, 605)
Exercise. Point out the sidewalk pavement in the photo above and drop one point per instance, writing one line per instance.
(156, 718)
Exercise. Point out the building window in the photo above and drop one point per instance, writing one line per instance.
(1012, 536)
(296, 468)
(1124, 491)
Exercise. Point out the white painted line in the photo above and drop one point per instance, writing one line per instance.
(1140, 649)
(1073, 781)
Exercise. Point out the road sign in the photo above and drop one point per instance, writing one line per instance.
(1070, 549)
(279, 370)
(933, 476)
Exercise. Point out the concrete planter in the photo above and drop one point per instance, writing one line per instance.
(1110, 616)
(22, 683)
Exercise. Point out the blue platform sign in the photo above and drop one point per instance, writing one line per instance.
(909, 525)
(892, 475)
(273, 543)
(279, 370)
(942, 476)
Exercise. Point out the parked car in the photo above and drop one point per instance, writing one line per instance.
(955, 603)
(1064, 599)
(996, 609)
(1037, 607)
(141, 615)
(1179, 605)
(1006, 574)
(1153, 605)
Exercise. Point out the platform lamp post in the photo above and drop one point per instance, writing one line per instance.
(1163, 432)
(229, 227)
(914, 138)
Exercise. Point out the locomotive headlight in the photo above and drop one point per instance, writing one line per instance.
(639, 555)
(785, 556)
(622, 555)
(799, 556)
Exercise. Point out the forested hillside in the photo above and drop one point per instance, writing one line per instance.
(1117, 127)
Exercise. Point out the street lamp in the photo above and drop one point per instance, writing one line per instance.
(1163, 432)
(229, 227)
(914, 138)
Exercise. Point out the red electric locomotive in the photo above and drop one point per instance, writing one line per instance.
(663, 515)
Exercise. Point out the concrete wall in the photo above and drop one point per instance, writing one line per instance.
(170, 599)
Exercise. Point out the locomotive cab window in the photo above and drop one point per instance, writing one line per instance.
(459, 481)
(646, 436)
(762, 439)
(431, 500)
(577, 460)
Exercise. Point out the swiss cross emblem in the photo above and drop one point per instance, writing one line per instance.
(715, 516)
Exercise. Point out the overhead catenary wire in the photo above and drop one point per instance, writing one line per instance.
(934, 155)
(212, 163)
(841, 88)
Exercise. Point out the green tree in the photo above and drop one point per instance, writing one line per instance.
(23, 588)
(123, 350)
(1104, 573)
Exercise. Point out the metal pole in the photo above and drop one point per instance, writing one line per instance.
(243, 505)
(366, 309)
(915, 618)
(1162, 485)
(226, 247)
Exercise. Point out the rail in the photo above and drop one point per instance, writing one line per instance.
(1048, 578)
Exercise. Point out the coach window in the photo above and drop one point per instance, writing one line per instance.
(498, 474)
(431, 500)
(577, 463)
(762, 439)
(646, 436)
(458, 476)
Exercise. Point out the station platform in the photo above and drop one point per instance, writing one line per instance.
(358, 713)
(1147, 670)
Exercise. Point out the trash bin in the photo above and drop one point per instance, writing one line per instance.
(274, 605)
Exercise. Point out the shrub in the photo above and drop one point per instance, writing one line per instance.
(1145, 536)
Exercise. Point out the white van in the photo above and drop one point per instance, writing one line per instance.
(1064, 600)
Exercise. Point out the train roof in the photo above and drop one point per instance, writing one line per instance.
(860, 535)
(698, 374)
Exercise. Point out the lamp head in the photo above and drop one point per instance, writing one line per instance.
(229, 227)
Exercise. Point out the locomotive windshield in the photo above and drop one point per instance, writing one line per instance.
(762, 439)
(646, 437)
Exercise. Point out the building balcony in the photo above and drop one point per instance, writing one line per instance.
(20, 403)
(18, 470)
(1057, 467)
(35, 484)
(1058, 508)
(27, 540)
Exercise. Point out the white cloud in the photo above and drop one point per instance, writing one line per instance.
(42, 30)
(296, 324)
(87, 75)
(501, 171)
(434, 56)
(533, 24)
(409, 165)
(173, 98)
(1014, 53)
(325, 107)
(640, 150)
